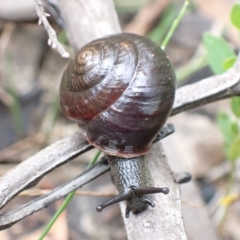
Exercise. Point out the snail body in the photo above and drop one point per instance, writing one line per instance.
(120, 89)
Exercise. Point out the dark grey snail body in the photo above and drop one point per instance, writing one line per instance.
(120, 89)
(131, 176)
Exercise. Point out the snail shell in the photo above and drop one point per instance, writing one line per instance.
(120, 89)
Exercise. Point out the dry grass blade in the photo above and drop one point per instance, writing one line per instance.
(41, 192)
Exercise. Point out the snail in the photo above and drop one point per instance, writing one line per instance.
(120, 90)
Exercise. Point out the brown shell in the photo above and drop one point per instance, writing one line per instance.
(120, 89)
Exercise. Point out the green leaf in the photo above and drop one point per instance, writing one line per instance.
(235, 15)
(229, 62)
(225, 123)
(235, 104)
(234, 127)
(234, 152)
(218, 51)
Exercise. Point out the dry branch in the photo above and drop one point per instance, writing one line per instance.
(208, 90)
(165, 221)
(36, 192)
(35, 167)
(17, 10)
(9, 218)
(99, 16)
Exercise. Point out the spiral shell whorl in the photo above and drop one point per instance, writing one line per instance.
(91, 92)
(88, 67)
(122, 98)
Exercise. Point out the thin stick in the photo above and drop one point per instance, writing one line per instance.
(9, 218)
(52, 41)
(41, 192)
(174, 25)
(65, 203)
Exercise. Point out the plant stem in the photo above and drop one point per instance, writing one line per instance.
(174, 25)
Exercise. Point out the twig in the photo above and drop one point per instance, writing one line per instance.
(208, 90)
(52, 41)
(9, 218)
(34, 168)
(41, 192)
(165, 220)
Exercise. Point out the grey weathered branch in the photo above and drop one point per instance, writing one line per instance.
(165, 221)
(35, 167)
(99, 16)
(17, 10)
(208, 90)
(9, 218)
(29, 171)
